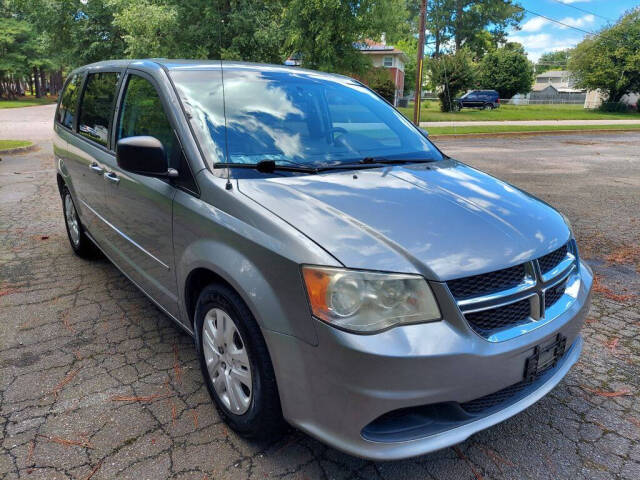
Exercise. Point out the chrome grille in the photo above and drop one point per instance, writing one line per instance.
(478, 285)
(486, 322)
(551, 260)
(506, 303)
(553, 294)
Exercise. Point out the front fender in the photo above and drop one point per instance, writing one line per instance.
(254, 251)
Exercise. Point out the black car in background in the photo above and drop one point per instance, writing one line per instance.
(485, 99)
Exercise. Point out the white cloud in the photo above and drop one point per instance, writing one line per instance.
(539, 35)
(537, 44)
(534, 24)
(578, 22)
(575, 1)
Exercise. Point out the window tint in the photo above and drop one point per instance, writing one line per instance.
(69, 101)
(96, 106)
(356, 120)
(142, 113)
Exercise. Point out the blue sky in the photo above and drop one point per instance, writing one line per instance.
(539, 35)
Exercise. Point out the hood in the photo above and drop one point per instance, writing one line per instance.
(444, 219)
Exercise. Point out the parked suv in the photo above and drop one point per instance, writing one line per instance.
(335, 269)
(485, 99)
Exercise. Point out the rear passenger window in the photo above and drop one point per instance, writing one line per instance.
(69, 101)
(96, 107)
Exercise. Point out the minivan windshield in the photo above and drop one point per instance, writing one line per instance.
(302, 119)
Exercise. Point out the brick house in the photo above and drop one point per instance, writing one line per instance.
(388, 57)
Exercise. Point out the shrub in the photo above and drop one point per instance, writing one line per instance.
(385, 88)
(614, 107)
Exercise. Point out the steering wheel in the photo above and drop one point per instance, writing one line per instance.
(335, 130)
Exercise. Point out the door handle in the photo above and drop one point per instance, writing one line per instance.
(111, 177)
(96, 168)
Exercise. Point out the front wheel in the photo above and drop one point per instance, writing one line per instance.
(235, 364)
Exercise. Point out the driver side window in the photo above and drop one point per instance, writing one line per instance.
(142, 113)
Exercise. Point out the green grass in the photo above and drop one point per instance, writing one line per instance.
(430, 112)
(8, 144)
(525, 128)
(27, 102)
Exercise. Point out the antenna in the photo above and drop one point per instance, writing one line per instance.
(228, 185)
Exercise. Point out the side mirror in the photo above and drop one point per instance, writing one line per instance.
(143, 155)
(424, 132)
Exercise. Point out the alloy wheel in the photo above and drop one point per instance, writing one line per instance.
(227, 361)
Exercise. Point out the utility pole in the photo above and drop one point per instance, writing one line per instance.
(416, 100)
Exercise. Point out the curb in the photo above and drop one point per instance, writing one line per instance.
(532, 133)
(26, 148)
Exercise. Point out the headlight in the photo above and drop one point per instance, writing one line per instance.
(368, 301)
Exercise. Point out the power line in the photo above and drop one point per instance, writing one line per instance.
(557, 21)
(582, 10)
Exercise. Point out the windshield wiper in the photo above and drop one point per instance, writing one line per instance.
(391, 161)
(267, 166)
(371, 162)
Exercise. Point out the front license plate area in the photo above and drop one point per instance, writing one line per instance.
(544, 356)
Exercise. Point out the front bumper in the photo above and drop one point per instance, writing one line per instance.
(334, 390)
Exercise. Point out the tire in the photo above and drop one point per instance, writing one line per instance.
(79, 241)
(487, 106)
(254, 410)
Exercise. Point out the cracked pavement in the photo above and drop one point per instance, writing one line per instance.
(95, 382)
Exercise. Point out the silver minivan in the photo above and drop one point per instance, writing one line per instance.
(336, 270)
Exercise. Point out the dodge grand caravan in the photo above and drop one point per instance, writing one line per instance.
(336, 270)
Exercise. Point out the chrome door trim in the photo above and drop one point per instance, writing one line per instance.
(126, 237)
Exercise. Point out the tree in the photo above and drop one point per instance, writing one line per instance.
(557, 60)
(451, 75)
(506, 70)
(610, 61)
(148, 29)
(324, 32)
(14, 35)
(472, 17)
(410, 48)
(480, 25)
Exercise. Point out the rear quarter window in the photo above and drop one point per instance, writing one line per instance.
(68, 102)
(96, 109)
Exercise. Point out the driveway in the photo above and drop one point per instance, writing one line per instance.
(96, 383)
(30, 123)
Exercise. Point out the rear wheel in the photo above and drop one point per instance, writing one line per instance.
(488, 106)
(80, 243)
(235, 364)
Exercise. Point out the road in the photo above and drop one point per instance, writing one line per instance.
(529, 123)
(96, 382)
